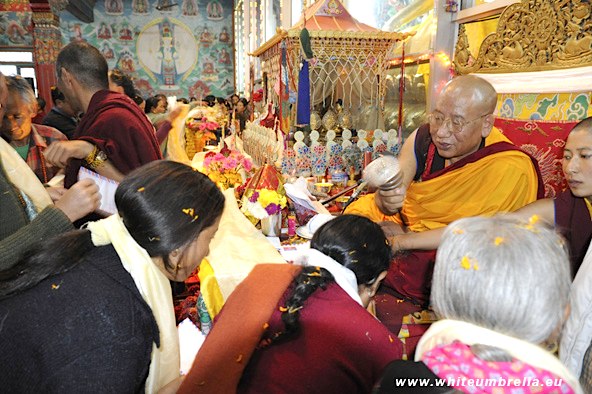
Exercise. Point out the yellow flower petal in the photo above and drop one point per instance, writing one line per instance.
(465, 263)
(533, 219)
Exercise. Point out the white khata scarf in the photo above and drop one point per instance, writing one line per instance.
(154, 287)
(21, 176)
(345, 278)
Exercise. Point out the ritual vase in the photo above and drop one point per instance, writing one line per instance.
(271, 226)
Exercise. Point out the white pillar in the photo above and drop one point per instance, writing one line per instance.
(443, 40)
(287, 14)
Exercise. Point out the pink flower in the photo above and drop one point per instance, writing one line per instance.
(247, 164)
(230, 163)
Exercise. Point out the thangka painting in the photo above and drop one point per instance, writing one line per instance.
(180, 48)
(16, 28)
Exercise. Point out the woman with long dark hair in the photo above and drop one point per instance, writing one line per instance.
(242, 113)
(121, 83)
(304, 328)
(91, 310)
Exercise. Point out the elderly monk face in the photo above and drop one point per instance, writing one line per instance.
(577, 162)
(462, 117)
(17, 120)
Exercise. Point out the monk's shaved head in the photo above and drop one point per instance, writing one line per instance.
(584, 125)
(465, 111)
(480, 90)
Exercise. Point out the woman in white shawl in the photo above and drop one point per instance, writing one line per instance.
(91, 310)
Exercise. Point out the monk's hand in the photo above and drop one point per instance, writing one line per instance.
(391, 229)
(390, 201)
(60, 152)
(175, 112)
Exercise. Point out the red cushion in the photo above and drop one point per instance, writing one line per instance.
(544, 140)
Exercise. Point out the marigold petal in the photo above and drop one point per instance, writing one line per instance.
(465, 263)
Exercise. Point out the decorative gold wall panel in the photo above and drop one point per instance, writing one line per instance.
(533, 35)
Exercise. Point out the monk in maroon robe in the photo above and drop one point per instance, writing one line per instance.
(114, 136)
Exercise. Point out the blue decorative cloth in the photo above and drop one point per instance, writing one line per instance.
(303, 108)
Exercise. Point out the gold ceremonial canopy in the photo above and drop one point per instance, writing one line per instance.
(533, 35)
(350, 58)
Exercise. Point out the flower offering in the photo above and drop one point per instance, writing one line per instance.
(264, 194)
(226, 168)
(198, 131)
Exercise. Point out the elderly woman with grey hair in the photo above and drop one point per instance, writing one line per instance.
(501, 288)
(17, 128)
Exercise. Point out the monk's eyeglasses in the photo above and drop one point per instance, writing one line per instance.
(437, 120)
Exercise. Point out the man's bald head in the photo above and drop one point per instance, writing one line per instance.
(482, 92)
(462, 117)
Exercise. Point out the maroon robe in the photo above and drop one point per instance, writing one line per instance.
(572, 219)
(118, 127)
(340, 348)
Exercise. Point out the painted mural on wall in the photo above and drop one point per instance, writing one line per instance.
(545, 106)
(16, 27)
(183, 48)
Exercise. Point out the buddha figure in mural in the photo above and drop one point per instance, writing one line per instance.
(107, 51)
(189, 7)
(215, 10)
(168, 55)
(114, 7)
(104, 31)
(140, 6)
(224, 36)
(206, 37)
(224, 57)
